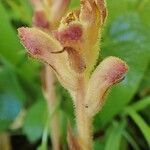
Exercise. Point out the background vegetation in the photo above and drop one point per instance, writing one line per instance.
(124, 123)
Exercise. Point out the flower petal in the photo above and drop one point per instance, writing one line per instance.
(76, 60)
(87, 13)
(71, 33)
(38, 42)
(43, 46)
(111, 71)
(70, 36)
(102, 8)
(37, 4)
(93, 11)
(90, 18)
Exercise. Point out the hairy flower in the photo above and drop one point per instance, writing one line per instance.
(109, 72)
(71, 49)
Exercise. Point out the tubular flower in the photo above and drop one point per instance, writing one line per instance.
(46, 15)
(109, 72)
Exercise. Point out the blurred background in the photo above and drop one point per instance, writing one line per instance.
(124, 123)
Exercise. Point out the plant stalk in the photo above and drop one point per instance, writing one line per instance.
(52, 104)
(84, 122)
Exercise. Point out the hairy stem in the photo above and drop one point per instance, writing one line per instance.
(52, 104)
(84, 122)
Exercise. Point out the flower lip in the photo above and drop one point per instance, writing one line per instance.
(119, 75)
(114, 69)
(73, 32)
(37, 42)
(76, 61)
(24, 35)
(102, 7)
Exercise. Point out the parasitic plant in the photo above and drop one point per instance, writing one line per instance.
(47, 19)
(71, 50)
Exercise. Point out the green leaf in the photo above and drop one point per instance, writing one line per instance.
(143, 126)
(143, 10)
(98, 145)
(9, 43)
(10, 106)
(130, 139)
(26, 10)
(141, 7)
(35, 120)
(75, 3)
(114, 139)
(8, 72)
(144, 88)
(12, 52)
(141, 104)
(42, 147)
(11, 97)
(19, 10)
(127, 38)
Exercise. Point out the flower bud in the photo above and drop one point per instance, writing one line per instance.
(110, 71)
(44, 47)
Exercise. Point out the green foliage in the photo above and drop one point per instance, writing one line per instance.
(126, 38)
(130, 139)
(9, 45)
(115, 135)
(145, 129)
(126, 35)
(35, 120)
(11, 96)
(75, 3)
(141, 104)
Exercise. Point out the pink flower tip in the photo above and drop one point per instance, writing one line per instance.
(114, 69)
(29, 38)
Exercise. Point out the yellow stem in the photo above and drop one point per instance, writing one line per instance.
(84, 122)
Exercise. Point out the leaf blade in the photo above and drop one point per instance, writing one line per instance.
(114, 140)
(145, 128)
